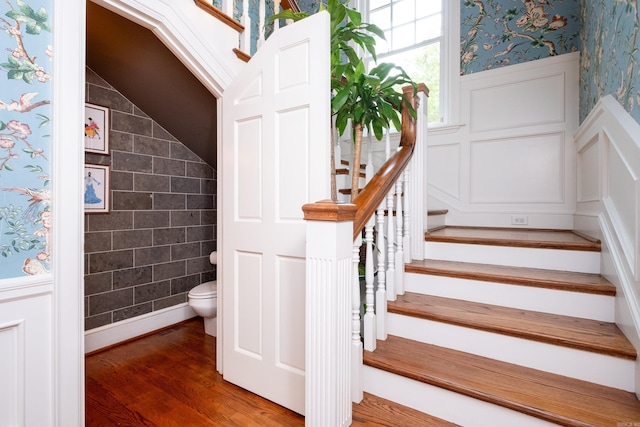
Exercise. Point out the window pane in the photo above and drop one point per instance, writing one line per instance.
(429, 28)
(427, 7)
(381, 18)
(403, 12)
(374, 4)
(423, 66)
(382, 46)
(403, 36)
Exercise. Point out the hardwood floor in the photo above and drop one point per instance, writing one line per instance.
(169, 379)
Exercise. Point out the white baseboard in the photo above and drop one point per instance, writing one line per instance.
(115, 333)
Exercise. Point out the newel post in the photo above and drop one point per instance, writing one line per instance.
(328, 353)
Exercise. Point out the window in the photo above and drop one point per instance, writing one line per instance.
(415, 41)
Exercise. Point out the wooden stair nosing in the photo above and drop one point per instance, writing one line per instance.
(441, 236)
(572, 332)
(344, 171)
(437, 212)
(374, 410)
(558, 399)
(533, 277)
(346, 163)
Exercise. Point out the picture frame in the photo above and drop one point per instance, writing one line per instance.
(96, 129)
(96, 188)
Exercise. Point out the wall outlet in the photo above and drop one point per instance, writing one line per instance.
(519, 220)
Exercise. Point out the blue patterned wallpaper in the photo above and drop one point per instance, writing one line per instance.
(25, 199)
(496, 33)
(610, 54)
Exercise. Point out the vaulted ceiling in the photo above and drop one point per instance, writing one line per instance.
(137, 64)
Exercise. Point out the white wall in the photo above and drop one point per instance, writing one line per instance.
(608, 204)
(512, 153)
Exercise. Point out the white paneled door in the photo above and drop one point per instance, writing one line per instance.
(275, 157)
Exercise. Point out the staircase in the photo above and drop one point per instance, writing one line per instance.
(507, 327)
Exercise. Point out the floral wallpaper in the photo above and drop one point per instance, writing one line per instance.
(25, 199)
(610, 56)
(496, 33)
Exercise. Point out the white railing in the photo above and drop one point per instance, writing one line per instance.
(384, 243)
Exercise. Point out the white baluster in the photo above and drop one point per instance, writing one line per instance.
(261, 23)
(391, 256)
(276, 10)
(406, 242)
(337, 148)
(387, 146)
(368, 171)
(399, 259)
(245, 20)
(381, 293)
(369, 315)
(356, 344)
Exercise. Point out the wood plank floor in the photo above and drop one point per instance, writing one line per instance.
(169, 379)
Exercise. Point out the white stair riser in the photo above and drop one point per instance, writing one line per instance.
(574, 304)
(444, 404)
(434, 221)
(584, 365)
(550, 259)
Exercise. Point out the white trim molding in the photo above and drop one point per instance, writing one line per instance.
(203, 44)
(108, 335)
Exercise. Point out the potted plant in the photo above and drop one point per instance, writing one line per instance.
(368, 100)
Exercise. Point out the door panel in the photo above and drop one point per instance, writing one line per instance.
(275, 158)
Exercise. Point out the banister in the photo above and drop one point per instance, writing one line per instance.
(375, 191)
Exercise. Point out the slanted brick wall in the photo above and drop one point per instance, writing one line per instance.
(154, 245)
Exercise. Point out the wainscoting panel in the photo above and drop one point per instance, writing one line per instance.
(622, 195)
(529, 102)
(26, 355)
(589, 189)
(518, 170)
(443, 170)
(512, 154)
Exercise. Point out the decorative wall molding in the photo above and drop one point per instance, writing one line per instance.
(608, 166)
(512, 152)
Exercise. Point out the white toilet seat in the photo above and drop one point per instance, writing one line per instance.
(205, 290)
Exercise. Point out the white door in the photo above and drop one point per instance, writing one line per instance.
(275, 157)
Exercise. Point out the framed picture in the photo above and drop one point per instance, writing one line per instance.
(96, 129)
(96, 188)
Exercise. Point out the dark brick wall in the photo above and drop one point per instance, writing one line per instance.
(154, 244)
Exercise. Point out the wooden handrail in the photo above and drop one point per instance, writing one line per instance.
(368, 200)
(290, 4)
(217, 13)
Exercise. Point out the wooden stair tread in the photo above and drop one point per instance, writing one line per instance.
(534, 277)
(582, 334)
(344, 171)
(375, 411)
(558, 399)
(530, 238)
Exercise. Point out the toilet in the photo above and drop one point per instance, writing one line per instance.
(203, 300)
